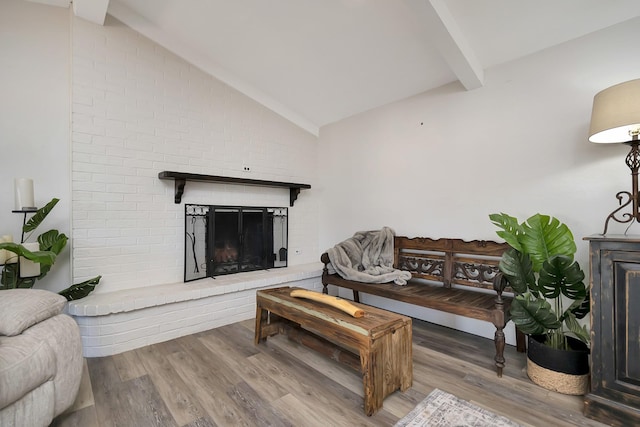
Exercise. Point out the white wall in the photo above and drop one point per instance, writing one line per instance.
(34, 119)
(138, 110)
(438, 164)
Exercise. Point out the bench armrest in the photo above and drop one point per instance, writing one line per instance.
(325, 258)
(499, 284)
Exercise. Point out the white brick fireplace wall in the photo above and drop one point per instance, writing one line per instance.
(137, 110)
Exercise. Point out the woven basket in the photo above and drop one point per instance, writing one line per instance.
(557, 381)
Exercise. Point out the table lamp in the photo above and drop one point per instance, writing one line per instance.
(615, 118)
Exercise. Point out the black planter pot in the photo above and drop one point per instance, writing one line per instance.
(564, 371)
(573, 362)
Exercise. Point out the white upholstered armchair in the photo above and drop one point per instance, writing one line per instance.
(40, 357)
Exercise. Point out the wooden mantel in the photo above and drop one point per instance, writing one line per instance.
(180, 179)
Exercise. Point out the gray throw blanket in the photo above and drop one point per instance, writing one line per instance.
(367, 257)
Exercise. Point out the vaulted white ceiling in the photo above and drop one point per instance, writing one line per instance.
(319, 61)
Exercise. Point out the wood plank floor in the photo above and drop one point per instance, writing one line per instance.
(219, 378)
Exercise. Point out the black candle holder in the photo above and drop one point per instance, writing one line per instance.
(25, 211)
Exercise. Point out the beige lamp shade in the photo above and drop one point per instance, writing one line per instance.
(616, 111)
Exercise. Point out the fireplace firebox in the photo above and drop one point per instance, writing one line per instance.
(232, 239)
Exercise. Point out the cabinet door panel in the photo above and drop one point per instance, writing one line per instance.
(620, 328)
(627, 321)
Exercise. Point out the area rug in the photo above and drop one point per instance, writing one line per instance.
(441, 409)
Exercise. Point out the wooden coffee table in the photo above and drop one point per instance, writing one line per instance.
(378, 344)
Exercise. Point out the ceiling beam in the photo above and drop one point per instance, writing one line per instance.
(92, 10)
(445, 34)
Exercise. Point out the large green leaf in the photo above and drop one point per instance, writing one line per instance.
(39, 216)
(10, 277)
(41, 257)
(562, 275)
(543, 237)
(533, 315)
(52, 241)
(26, 282)
(510, 229)
(580, 331)
(580, 308)
(518, 270)
(80, 290)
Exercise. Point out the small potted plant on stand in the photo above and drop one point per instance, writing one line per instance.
(550, 298)
(49, 245)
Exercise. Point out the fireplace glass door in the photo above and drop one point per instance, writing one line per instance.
(231, 239)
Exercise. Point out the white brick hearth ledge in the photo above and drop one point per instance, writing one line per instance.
(114, 322)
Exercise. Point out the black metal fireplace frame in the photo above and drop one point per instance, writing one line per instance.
(216, 268)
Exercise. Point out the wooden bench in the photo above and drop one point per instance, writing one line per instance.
(378, 345)
(450, 275)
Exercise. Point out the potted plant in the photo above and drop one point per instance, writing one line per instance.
(550, 298)
(50, 244)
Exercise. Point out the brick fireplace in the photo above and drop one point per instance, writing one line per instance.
(137, 110)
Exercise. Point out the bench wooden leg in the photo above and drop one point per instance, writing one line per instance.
(356, 296)
(261, 319)
(267, 325)
(387, 366)
(521, 341)
(371, 381)
(500, 342)
(405, 336)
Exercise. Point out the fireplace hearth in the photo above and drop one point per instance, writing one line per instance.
(232, 239)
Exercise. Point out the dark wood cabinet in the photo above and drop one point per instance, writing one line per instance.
(615, 330)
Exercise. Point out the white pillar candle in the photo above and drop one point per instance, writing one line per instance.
(24, 194)
(29, 268)
(4, 254)
(11, 257)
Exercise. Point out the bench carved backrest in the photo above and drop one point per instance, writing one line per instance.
(450, 261)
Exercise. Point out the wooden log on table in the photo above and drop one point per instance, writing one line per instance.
(332, 301)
